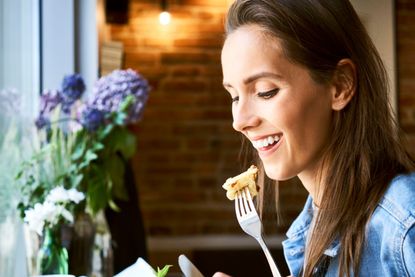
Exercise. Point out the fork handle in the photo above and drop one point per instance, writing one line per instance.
(271, 262)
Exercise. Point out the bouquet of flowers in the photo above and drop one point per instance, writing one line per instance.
(55, 210)
(53, 257)
(83, 145)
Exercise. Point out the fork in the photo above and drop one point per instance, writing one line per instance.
(251, 224)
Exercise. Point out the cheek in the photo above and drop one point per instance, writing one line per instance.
(304, 123)
(285, 115)
(315, 123)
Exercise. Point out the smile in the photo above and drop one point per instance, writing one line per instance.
(265, 143)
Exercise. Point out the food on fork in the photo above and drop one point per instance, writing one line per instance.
(245, 179)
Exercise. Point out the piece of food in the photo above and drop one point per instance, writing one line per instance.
(245, 179)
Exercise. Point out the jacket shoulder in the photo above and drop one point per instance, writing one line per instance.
(399, 198)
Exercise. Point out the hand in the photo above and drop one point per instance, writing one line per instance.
(220, 274)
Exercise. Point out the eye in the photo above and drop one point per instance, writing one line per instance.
(268, 94)
(235, 99)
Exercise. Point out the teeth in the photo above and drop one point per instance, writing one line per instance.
(265, 142)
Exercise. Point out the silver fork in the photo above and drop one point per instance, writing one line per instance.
(251, 224)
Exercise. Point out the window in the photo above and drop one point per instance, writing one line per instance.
(40, 42)
(19, 50)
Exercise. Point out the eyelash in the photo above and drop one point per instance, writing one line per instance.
(266, 95)
(235, 99)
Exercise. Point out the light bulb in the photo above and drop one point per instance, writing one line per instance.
(164, 18)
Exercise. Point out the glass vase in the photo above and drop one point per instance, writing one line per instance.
(81, 245)
(102, 257)
(52, 256)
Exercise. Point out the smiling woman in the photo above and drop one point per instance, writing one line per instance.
(310, 92)
(270, 91)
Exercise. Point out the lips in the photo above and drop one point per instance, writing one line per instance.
(266, 142)
(267, 145)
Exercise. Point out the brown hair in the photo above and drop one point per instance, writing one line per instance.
(364, 153)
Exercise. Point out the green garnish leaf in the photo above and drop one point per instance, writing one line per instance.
(163, 272)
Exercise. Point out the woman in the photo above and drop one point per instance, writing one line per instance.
(310, 92)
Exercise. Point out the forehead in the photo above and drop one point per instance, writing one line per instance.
(251, 37)
(248, 50)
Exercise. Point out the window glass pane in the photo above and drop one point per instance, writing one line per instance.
(19, 50)
(19, 90)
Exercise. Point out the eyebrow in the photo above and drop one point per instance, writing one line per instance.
(256, 76)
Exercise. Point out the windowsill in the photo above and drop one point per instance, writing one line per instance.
(201, 242)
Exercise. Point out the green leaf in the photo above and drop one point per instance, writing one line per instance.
(76, 180)
(90, 155)
(113, 206)
(103, 133)
(119, 118)
(74, 168)
(116, 169)
(19, 174)
(97, 190)
(128, 146)
(97, 197)
(126, 103)
(163, 272)
(79, 150)
(97, 146)
(122, 140)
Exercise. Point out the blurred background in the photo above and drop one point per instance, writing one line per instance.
(186, 147)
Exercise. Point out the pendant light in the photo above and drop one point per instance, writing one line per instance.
(164, 16)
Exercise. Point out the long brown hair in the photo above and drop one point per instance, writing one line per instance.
(365, 152)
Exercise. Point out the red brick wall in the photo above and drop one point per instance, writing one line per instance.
(186, 146)
(405, 18)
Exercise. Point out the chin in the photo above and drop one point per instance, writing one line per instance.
(278, 173)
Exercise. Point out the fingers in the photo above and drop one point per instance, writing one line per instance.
(220, 274)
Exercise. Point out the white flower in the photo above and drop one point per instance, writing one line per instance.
(58, 194)
(51, 212)
(67, 215)
(61, 195)
(75, 196)
(53, 209)
(35, 218)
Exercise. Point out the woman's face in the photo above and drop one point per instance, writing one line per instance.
(276, 104)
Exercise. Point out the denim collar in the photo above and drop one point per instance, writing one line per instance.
(302, 224)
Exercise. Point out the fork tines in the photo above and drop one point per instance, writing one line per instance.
(243, 202)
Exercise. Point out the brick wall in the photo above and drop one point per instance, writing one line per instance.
(186, 146)
(405, 19)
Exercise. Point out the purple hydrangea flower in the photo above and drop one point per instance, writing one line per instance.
(111, 90)
(42, 121)
(91, 118)
(49, 100)
(73, 87)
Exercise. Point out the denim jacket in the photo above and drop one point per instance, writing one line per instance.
(389, 249)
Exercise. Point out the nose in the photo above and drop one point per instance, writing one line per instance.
(244, 116)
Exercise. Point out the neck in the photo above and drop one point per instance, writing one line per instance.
(310, 185)
(312, 181)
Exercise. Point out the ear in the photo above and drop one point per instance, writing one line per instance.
(344, 84)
